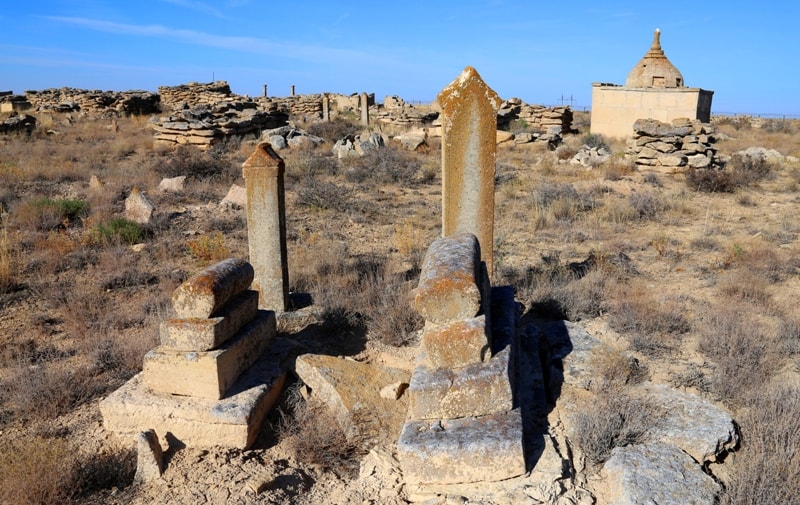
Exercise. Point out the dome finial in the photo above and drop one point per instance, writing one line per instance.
(656, 40)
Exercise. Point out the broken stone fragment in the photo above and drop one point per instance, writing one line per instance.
(210, 289)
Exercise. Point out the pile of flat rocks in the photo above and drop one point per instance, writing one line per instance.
(18, 123)
(538, 117)
(673, 147)
(93, 101)
(206, 125)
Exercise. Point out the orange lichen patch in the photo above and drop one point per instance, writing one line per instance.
(211, 288)
(264, 158)
(458, 344)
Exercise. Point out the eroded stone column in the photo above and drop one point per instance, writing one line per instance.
(364, 109)
(469, 126)
(326, 108)
(292, 90)
(266, 227)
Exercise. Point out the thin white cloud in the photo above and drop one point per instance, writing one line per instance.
(197, 6)
(235, 43)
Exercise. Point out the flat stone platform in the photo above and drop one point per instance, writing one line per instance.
(233, 421)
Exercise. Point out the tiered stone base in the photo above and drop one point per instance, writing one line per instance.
(233, 421)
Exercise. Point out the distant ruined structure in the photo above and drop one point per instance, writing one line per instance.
(654, 89)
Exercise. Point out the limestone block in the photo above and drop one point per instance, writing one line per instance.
(211, 288)
(448, 287)
(346, 385)
(234, 421)
(703, 430)
(205, 334)
(672, 160)
(473, 449)
(137, 207)
(208, 374)
(475, 390)
(654, 473)
(457, 344)
(149, 457)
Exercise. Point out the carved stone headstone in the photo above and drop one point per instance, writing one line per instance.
(364, 105)
(266, 226)
(469, 125)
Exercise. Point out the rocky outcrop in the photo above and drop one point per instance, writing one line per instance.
(677, 146)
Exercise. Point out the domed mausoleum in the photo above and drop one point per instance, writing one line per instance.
(654, 89)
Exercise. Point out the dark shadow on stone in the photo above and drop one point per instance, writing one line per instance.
(173, 446)
(299, 301)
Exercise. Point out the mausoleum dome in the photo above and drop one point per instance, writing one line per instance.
(654, 70)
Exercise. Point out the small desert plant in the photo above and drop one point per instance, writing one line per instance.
(48, 213)
(595, 140)
(389, 164)
(194, 163)
(37, 470)
(317, 436)
(335, 129)
(613, 370)
(742, 171)
(208, 248)
(116, 230)
(648, 205)
(767, 468)
(321, 195)
(613, 420)
(653, 323)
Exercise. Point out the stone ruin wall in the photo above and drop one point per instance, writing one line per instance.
(682, 144)
(91, 101)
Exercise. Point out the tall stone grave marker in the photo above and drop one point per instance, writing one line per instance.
(364, 104)
(326, 108)
(266, 226)
(469, 126)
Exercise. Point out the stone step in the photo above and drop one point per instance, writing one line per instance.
(457, 344)
(473, 449)
(198, 334)
(208, 374)
(234, 421)
(475, 390)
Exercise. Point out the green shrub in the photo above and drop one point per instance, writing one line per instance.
(48, 214)
(116, 230)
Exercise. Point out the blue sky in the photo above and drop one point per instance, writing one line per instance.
(746, 52)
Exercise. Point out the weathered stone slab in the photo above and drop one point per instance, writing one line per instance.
(457, 344)
(208, 374)
(469, 134)
(448, 287)
(137, 207)
(475, 390)
(654, 473)
(473, 449)
(233, 421)
(211, 288)
(655, 128)
(205, 334)
(346, 385)
(703, 430)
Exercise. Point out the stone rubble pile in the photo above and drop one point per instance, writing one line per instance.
(194, 94)
(206, 125)
(209, 382)
(538, 117)
(684, 143)
(462, 424)
(93, 101)
(18, 123)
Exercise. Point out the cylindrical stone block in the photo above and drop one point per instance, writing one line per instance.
(209, 290)
(448, 288)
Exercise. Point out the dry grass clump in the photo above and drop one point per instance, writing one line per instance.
(324, 195)
(612, 420)
(318, 437)
(335, 129)
(654, 323)
(766, 468)
(614, 370)
(742, 171)
(391, 164)
(8, 259)
(741, 347)
(47, 469)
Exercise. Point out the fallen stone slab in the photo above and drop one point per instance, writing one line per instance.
(475, 390)
(473, 449)
(654, 473)
(211, 288)
(198, 334)
(208, 374)
(234, 421)
(703, 430)
(349, 387)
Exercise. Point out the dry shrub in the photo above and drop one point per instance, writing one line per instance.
(765, 263)
(747, 286)
(37, 470)
(767, 467)
(613, 369)
(209, 248)
(648, 205)
(308, 163)
(335, 129)
(741, 347)
(321, 195)
(609, 421)
(46, 390)
(213, 164)
(48, 214)
(390, 164)
(742, 171)
(654, 323)
(8, 256)
(318, 437)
